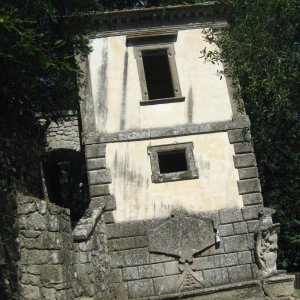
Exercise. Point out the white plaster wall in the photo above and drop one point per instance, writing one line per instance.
(138, 198)
(117, 94)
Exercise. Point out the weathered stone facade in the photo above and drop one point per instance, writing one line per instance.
(164, 240)
(201, 234)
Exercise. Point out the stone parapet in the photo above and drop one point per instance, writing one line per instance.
(46, 249)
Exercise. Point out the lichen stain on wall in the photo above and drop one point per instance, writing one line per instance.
(190, 105)
(117, 98)
(138, 198)
(124, 92)
(101, 105)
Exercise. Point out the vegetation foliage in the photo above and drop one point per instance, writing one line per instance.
(37, 60)
(261, 52)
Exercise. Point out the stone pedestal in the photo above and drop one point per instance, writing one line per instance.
(279, 285)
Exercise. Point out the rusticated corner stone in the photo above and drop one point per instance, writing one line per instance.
(251, 199)
(249, 186)
(106, 202)
(96, 163)
(244, 160)
(95, 150)
(99, 176)
(99, 190)
(238, 136)
(247, 173)
(251, 212)
(240, 148)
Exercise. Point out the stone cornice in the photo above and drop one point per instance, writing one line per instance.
(206, 12)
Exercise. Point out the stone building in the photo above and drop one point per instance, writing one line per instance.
(174, 206)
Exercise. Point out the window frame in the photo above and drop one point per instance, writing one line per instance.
(158, 177)
(138, 54)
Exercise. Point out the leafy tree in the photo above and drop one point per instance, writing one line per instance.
(127, 4)
(261, 50)
(37, 59)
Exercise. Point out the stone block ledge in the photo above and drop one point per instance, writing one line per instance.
(237, 123)
(240, 290)
(86, 225)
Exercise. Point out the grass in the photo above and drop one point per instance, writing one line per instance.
(297, 292)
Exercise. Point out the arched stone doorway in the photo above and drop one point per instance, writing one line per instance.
(66, 181)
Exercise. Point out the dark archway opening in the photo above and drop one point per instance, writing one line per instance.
(66, 181)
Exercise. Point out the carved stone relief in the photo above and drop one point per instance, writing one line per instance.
(184, 237)
(266, 243)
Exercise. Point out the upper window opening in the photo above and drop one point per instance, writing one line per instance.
(158, 74)
(172, 161)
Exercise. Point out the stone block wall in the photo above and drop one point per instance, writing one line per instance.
(137, 272)
(46, 250)
(64, 134)
(91, 262)
(52, 261)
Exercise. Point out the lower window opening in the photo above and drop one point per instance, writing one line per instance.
(172, 161)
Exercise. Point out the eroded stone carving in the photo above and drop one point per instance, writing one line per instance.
(184, 237)
(188, 281)
(266, 244)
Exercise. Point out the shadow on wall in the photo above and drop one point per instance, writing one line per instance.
(66, 181)
(9, 250)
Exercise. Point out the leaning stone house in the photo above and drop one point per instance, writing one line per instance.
(174, 206)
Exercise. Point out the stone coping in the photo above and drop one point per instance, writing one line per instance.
(238, 122)
(254, 284)
(280, 278)
(86, 224)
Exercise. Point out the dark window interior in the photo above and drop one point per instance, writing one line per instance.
(66, 181)
(172, 161)
(158, 74)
